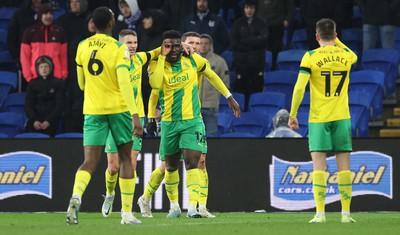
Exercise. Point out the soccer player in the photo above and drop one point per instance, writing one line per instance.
(137, 60)
(182, 128)
(327, 68)
(103, 75)
(156, 177)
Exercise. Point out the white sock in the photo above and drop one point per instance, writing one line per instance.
(202, 207)
(346, 213)
(319, 214)
(192, 208)
(174, 205)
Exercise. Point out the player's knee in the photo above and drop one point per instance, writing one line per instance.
(171, 167)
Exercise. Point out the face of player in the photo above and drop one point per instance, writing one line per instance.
(249, 11)
(194, 42)
(47, 18)
(205, 46)
(132, 43)
(44, 70)
(176, 51)
(125, 10)
(202, 5)
(75, 6)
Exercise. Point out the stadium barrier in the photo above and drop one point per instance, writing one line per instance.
(245, 175)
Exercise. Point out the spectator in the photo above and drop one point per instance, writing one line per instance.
(281, 126)
(379, 18)
(44, 38)
(202, 20)
(22, 19)
(154, 23)
(277, 15)
(249, 42)
(129, 18)
(177, 10)
(75, 24)
(209, 96)
(44, 101)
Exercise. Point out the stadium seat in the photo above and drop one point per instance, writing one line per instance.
(32, 135)
(299, 39)
(281, 81)
(6, 62)
(3, 40)
(15, 102)
(3, 136)
(353, 38)
(223, 102)
(58, 12)
(228, 57)
(397, 43)
(372, 82)
(359, 111)
(302, 118)
(8, 82)
(289, 60)
(76, 135)
(6, 14)
(268, 61)
(267, 102)
(11, 123)
(386, 61)
(238, 135)
(224, 123)
(357, 17)
(257, 124)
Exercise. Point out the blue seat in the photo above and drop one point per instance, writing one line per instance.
(3, 40)
(359, 111)
(58, 12)
(8, 82)
(305, 103)
(32, 135)
(15, 102)
(397, 42)
(76, 135)
(299, 39)
(257, 124)
(11, 123)
(267, 102)
(7, 12)
(238, 135)
(224, 123)
(268, 61)
(290, 59)
(353, 38)
(281, 81)
(223, 102)
(3, 136)
(372, 82)
(228, 57)
(6, 62)
(386, 61)
(302, 118)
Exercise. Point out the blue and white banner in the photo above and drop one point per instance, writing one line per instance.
(25, 173)
(291, 182)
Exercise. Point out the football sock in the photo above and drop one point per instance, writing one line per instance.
(345, 188)
(82, 179)
(111, 182)
(319, 187)
(193, 185)
(156, 177)
(203, 186)
(171, 185)
(127, 187)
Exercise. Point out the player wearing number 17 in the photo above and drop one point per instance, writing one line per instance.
(109, 106)
(327, 68)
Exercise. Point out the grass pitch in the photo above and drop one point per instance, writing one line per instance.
(224, 224)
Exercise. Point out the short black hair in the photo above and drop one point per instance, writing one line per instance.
(189, 34)
(126, 32)
(101, 17)
(171, 34)
(326, 29)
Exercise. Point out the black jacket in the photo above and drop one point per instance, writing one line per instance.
(381, 12)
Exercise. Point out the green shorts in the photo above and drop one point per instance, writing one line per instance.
(111, 147)
(184, 134)
(330, 136)
(97, 127)
(161, 155)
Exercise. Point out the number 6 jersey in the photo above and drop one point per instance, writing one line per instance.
(327, 68)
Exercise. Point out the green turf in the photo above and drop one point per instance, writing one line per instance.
(224, 224)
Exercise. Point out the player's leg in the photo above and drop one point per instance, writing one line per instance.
(319, 143)
(94, 137)
(203, 188)
(342, 145)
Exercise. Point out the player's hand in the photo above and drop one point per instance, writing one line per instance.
(188, 49)
(234, 106)
(137, 126)
(293, 123)
(166, 47)
(151, 127)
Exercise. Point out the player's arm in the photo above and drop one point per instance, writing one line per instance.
(151, 55)
(126, 89)
(79, 70)
(153, 100)
(353, 56)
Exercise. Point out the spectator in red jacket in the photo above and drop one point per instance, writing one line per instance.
(44, 38)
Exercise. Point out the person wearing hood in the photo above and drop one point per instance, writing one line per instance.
(281, 126)
(203, 20)
(74, 22)
(249, 42)
(44, 38)
(209, 96)
(44, 101)
(129, 18)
